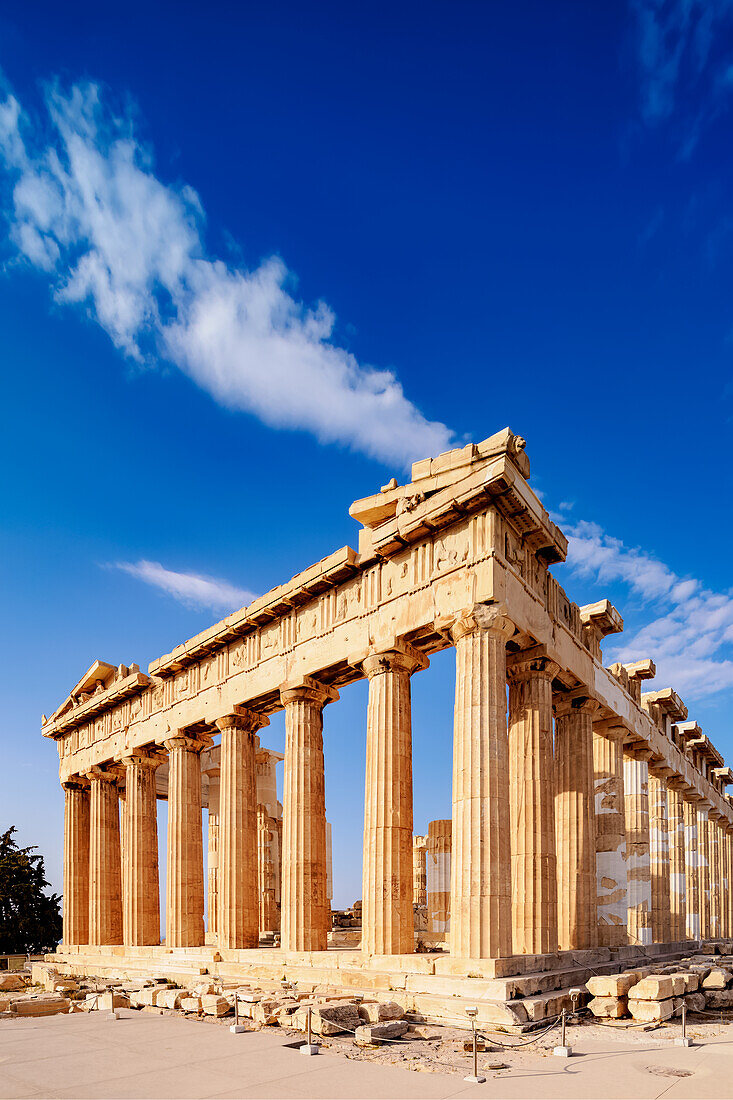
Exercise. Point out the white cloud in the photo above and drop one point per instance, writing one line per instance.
(192, 589)
(88, 210)
(689, 637)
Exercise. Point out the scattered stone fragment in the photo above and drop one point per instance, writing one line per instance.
(652, 1011)
(190, 1004)
(612, 985)
(170, 998)
(695, 1002)
(11, 983)
(655, 987)
(368, 1034)
(41, 1006)
(718, 978)
(719, 998)
(612, 1008)
(374, 1012)
(214, 1005)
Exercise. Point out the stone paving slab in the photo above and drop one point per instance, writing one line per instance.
(166, 1057)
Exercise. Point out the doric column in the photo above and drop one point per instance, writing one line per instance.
(238, 920)
(532, 804)
(729, 890)
(575, 821)
(714, 875)
(636, 802)
(140, 884)
(105, 881)
(387, 914)
(677, 872)
(269, 917)
(659, 857)
(692, 871)
(438, 875)
(610, 814)
(76, 860)
(419, 871)
(304, 917)
(703, 864)
(212, 858)
(480, 867)
(184, 919)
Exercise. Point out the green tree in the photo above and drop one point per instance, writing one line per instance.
(29, 919)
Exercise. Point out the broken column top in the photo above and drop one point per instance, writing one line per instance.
(668, 702)
(603, 617)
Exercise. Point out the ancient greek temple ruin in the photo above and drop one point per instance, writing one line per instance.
(589, 825)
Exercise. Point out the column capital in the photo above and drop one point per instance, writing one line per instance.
(638, 753)
(574, 702)
(531, 662)
(398, 657)
(489, 618)
(105, 773)
(242, 718)
(144, 757)
(611, 728)
(75, 783)
(189, 742)
(308, 690)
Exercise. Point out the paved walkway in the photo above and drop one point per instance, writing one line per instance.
(143, 1055)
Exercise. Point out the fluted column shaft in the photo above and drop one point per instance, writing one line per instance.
(76, 861)
(714, 876)
(185, 880)
(677, 866)
(304, 917)
(438, 875)
(692, 872)
(703, 860)
(419, 871)
(267, 871)
(610, 824)
(480, 866)
(238, 921)
(660, 863)
(105, 879)
(575, 822)
(729, 888)
(140, 883)
(212, 859)
(532, 805)
(387, 915)
(636, 802)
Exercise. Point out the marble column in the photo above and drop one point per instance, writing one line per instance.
(703, 863)
(238, 921)
(638, 866)
(729, 891)
(304, 917)
(105, 876)
(480, 867)
(212, 858)
(140, 884)
(76, 860)
(269, 915)
(387, 914)
(575, 822)
(692, 871)
(714, 874)
(677, 871)
(532, 804)
(610, 815)
(659, 857)
(419, 871)
(438, 876)
(184, 919)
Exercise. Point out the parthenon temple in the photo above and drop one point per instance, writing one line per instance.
(589, 827)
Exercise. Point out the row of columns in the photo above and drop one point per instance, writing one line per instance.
(551, 838)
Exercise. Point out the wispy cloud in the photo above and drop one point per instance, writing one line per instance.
(690, 632)
(192, 589)
(85, 207)
(685, 56)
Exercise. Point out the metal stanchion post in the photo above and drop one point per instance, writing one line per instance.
(682, 1040)
(310, 1047)
(563, 1051)
(474, 1078)
(236, 1028)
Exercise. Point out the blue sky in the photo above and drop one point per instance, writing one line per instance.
(258, 257)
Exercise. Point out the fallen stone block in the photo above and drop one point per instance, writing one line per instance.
(204, 989)
(611, 1008)
(214, 1005)
(109, 1001)
(652, 1012)
(145, 997)
(655, 987)
(718, 978)
(41, 1006)
(326, 1020)
(264, 1012)
(11, 983)
(374, 1012)
(369, 1034)
(190, 1004)
(719, 998)
(67, 985)
(695, 1002)
(612, 985)
(690, 981)
(170, 998)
